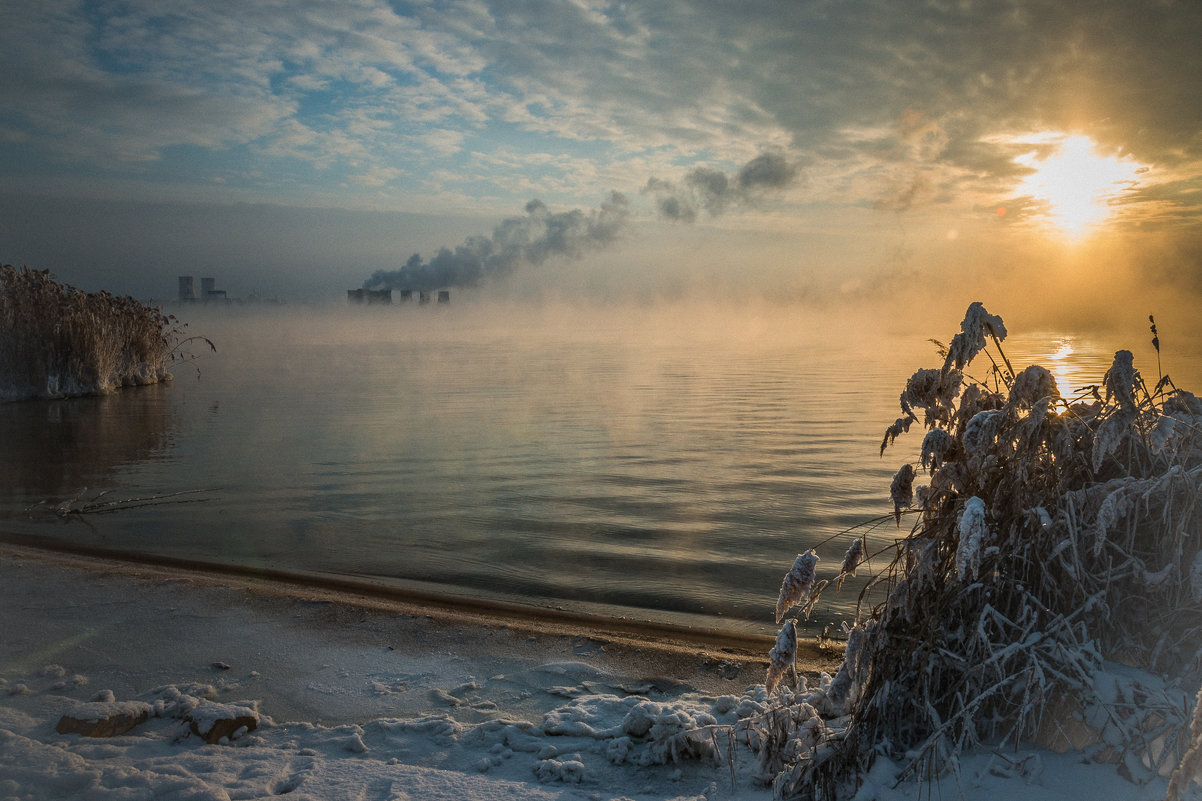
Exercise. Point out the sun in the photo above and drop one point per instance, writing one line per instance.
(1075, 183)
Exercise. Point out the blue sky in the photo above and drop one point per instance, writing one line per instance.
(821, 150)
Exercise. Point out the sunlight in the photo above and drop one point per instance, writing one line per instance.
(1062, 368)
(1076, 183)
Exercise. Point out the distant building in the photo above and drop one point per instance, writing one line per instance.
(371, 297)
(208, 290)
(187, 289)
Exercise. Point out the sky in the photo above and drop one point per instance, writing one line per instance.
(1043, 157)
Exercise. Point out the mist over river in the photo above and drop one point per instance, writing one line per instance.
(655, 463)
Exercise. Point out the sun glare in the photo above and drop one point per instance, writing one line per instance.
(1060, 364)
(1077, 185)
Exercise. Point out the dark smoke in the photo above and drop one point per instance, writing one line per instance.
(531, 239)
(713, 191)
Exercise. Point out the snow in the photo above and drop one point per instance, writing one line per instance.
(782, 658)
(1031, 386)
(935, 446)
(853, 557)
(93, 711)
(901, 490)
(1121, 379)
(973, 534)
(981, 431)
(970, 341)
(360, 701)
(798, 584)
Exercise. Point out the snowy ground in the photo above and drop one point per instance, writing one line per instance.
(358, 700)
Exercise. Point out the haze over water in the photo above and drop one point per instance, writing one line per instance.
(658, 463)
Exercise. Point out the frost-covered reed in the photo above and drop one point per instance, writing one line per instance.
(57, 341)
(1055, 539)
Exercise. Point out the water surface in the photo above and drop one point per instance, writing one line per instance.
(656, 464)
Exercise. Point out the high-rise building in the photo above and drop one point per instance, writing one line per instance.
(187, 289)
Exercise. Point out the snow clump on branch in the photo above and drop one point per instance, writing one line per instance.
(973, 534)
(971, 340)
(798, 584)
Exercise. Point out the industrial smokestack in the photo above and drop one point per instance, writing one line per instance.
(371, 297)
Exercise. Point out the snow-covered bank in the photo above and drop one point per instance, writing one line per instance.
(363, 702)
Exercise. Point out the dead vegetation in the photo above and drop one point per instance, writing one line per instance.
(100, 503)
(57, 341)
(1054, 545)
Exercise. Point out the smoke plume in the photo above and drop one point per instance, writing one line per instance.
(530, 239)
(713, 191)
(541, 234)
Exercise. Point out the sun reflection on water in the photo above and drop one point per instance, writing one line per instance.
(1062, 367)
(1075, 363)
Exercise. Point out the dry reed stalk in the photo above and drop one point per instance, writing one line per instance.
(56, 341)
(1191, 763)
(1052, 535)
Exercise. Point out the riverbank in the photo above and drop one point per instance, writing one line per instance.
(363, 697)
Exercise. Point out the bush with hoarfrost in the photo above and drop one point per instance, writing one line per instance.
(1056, 542)
(59, 342)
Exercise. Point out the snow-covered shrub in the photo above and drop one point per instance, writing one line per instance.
(1054, 535)
(56, 341)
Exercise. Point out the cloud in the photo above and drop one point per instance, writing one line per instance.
(355, 79)
(486, 102)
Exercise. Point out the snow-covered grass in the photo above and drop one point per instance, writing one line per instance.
(56, 341)
(1047, 590)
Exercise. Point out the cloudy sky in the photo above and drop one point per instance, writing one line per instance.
(825, 151)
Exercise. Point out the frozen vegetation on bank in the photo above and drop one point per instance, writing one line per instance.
(1047, 590)
(57, 341)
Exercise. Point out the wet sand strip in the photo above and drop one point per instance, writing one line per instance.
(648, 636)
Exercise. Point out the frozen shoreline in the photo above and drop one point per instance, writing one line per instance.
(362, 698)
(329, 671)
(190, 620)
(365, 590)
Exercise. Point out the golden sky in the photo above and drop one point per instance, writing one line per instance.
(1048, 155)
